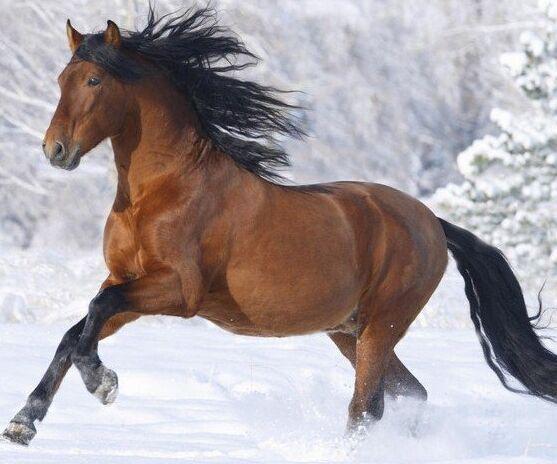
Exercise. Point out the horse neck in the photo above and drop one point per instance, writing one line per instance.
(161, 143)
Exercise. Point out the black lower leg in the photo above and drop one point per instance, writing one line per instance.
(99, 380)
(22, 429)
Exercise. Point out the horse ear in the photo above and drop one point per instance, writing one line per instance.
(112, 34)
(74, 37)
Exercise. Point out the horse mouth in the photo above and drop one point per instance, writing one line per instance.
(74, 163)
(70, 163)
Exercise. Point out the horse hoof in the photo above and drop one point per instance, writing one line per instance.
(20, 434)
(107, 391)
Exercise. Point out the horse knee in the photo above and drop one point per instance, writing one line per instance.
(107, 302)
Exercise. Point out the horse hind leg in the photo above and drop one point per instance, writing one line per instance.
(369, 360)
(346, 343)
(399, 381)
(382, 322)
(367, 404)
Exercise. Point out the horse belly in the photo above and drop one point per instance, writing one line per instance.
(274, 321)
(282, 301)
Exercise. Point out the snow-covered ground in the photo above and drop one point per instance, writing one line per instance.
(192, 393)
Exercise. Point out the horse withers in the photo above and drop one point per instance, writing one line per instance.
(202, 226)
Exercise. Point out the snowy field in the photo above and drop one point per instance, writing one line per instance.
(394, 92)
(190, 392)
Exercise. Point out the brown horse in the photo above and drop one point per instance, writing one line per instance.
(199, 228)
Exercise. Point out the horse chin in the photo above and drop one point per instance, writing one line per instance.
(73, 164)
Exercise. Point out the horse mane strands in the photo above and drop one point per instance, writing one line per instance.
(242, 118)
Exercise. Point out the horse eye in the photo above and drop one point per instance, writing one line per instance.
(93, 81)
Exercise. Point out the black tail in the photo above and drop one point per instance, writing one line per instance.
(510, 344)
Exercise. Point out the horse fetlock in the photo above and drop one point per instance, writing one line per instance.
(98, 379)
(19, 433)
(364, 412)
(107, 387)
(358, 427)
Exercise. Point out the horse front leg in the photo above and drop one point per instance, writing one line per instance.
(160, 293)
(22, 429)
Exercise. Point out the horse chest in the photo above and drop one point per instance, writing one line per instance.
(124, 250)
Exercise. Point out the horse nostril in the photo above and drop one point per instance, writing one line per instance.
(58, 154)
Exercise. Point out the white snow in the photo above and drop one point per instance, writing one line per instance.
(190, 392)
(47, 286)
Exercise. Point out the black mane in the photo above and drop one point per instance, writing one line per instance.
(242, 118)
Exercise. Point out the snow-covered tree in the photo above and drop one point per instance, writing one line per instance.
(509, 195)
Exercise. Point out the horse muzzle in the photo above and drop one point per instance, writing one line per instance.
(60, 156)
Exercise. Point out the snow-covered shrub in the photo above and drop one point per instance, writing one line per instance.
(509, 193)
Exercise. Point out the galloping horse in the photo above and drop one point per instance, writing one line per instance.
(200, 226)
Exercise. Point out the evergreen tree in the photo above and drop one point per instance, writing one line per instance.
(509, 193)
